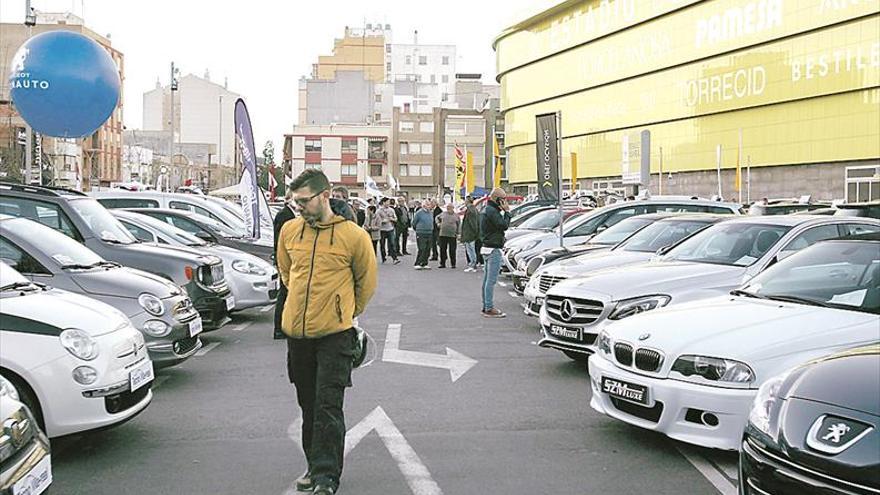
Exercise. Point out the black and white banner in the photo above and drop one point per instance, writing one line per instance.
(548, 157)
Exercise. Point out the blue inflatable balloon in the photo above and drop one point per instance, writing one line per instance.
(64, 84)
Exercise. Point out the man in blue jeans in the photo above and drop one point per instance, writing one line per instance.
(493, 223)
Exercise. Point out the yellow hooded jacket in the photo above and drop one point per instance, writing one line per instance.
(330, 272)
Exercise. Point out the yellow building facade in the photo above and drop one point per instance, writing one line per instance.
(787, 88)
(358, 50)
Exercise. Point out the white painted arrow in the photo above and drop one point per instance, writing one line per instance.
(411, 466)
(457, 363)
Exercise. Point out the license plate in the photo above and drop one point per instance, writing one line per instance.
(195, 327)
(274, 284)
(36, 480)
(625, 390)
(141, 375)
(567, 333)
(230, 303)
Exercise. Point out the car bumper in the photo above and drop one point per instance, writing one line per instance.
(583, 343)
(174, 348)
(673, 403)
(213, 308)
(33, 460)
(520, 279)
(252, 291)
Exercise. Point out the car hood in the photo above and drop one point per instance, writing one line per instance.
(595, 260)
(820, 382)
(746, 329)
(123, 282)
(179, 253)
(518, 233)
(527, 239)
(230, 254)
(653, 277)
(62, 310)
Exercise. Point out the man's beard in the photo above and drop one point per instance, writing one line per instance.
(311, 218)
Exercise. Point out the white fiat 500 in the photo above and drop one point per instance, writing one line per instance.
(77, 363)
(692, 371)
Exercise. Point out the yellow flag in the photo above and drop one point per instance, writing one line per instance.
(497, 155)
(471, 175)
(459, 173)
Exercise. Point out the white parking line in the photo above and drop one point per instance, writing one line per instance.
(502, 284)
(710, 472)
(268, 308)
(242, 327)
(208, 348)
(513, 294)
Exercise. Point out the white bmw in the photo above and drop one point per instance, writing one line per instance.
(78, 364)
(692, 371)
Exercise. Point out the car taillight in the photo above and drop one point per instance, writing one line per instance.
(188, 271)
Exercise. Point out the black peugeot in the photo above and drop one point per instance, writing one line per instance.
(815, 429)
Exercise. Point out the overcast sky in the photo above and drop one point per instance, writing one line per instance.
(263, 47)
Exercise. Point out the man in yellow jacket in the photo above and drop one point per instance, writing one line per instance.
(329, 267)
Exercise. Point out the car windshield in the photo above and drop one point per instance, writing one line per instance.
(542, 221)
(219, 228)
(103, 224)
(10, 278)
(178, 235)
(660, 234)
(840, 274)
(733, 244)
(620, 231)
(61, 248)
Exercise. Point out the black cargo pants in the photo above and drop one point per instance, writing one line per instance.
(320, 370)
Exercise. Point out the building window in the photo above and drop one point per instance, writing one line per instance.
(377, 117)
(379, 98)
(423, 60)
(387, 48)
(376, 170)
(313, 145)
(445, 78)
(445, 60)
(408, 60)
(349, 145)
(427, 127)
(406, 108)
(403, 171)
(455, 129)
(433, 79)
(388, 67)
(407, 126)
(315, 166)
(404, 148)
(427, 148)
(415, 149)
(350, 170)
(426, 170)
(444, 97)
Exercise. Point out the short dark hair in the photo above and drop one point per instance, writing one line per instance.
(341, 189)
(312, 178)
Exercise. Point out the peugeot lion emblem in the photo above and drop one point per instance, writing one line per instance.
(567, 310)
(832, 434)
(645, 336)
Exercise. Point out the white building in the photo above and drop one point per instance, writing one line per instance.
(347, 154)
(204, 112)
(137, 164)
(428, 64)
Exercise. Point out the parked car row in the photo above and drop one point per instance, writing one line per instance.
(752, 333)
(92, 302)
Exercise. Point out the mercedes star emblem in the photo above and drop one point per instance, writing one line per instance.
(567, 310)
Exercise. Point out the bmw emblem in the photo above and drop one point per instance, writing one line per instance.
(645, 336)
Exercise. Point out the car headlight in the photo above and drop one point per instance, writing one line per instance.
(85, 375)
(156, 328)
(151, 304)
(764, 403)
(714, 369)
(250, 268)
(629, 307)
(7, 389)
(79, 344)
(603, 342)
(534, 264)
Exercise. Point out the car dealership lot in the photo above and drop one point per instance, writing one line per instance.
(516, 421)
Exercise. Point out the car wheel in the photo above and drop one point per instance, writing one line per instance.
(27, 396)
(577, 357)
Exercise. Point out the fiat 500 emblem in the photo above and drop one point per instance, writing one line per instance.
(567, 310)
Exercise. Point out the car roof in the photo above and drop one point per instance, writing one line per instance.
(168, 211)
(681, 216)
(788, 220)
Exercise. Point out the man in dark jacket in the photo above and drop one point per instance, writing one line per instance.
(493, 223)
(402, 226)
(470, 233)
(286, 214)
(435, 238)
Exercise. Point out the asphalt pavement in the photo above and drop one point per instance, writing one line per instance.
(450, 403)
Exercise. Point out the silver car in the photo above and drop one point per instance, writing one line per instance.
(710, 263)
(158, 308)
(253, 282)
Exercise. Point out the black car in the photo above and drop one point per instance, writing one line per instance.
(817, 428)
(208, 230)
(85, 220)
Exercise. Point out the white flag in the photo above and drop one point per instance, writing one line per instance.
(371, 188)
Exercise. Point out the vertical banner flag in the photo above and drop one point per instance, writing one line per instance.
(459, 173)
(496, 153)
(371, 188)
(273, 184)
(548, 157)
(471, 174)
(247, 186)
(574, 171)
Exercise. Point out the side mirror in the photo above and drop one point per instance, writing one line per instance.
(601, 228)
